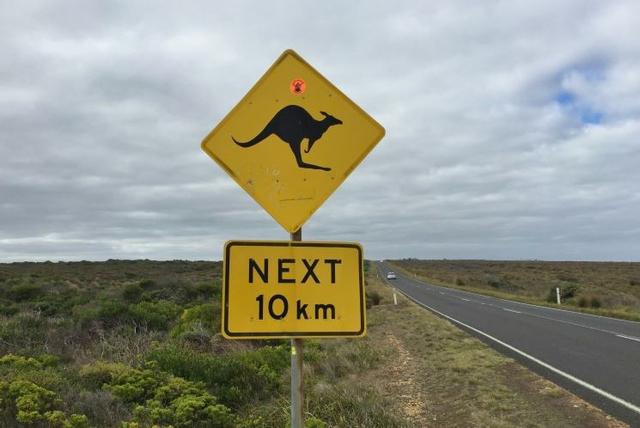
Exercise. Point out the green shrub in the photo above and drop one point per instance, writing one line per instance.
(112, 311)
(237, 379)
(21, 362)
(29, 403)
(566, 292)
(158, 397)
(595, 303)
(313, 422)
(583, 302)
(109, 312)
(7, 308)
(200, 319)
(42, 371)
(494, 282)
(147, 284)
(25, 291)
(374, 297)
(25, 330)
(155, 315)
(569, 292)
(132, 293)
(208, 290)
(183, 404)
(459, 281)
(134, 385)
(96, 374)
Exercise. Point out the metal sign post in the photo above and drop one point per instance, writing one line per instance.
(297, 393)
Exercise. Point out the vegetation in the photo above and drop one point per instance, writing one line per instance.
(137, 344)
(601, 288)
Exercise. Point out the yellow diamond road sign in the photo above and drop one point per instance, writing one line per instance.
(292, 289)
(292, 140)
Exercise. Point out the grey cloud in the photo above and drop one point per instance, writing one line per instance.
(103, 106)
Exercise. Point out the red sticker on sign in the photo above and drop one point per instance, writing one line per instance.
(297, 86)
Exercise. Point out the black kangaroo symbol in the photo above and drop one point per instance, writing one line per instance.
(292, 124)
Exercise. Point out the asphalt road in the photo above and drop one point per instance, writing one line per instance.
(597, 358)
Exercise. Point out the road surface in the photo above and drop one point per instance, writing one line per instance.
(597, 358)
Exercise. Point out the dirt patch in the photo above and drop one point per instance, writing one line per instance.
(402, 385)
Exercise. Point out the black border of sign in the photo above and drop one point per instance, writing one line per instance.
(285, 334)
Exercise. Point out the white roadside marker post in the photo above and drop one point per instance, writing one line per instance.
(558, 295)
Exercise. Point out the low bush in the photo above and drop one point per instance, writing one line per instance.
(94, 375)
(202, 320)
(146, 284)
(586, 302)
(155, 315)
(501, 283)
(26, 393)
(569, 292)
(373, 298)
(238, 378)
(25, 330)
(7, 308)
(181, 403)
(25, 291)
(132, 293)
(566, 292)
(157, 397)
(208, 290)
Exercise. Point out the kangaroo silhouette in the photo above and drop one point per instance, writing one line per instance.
(292, 124)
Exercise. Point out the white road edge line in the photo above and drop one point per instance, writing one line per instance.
(636, 339)
(580, 382)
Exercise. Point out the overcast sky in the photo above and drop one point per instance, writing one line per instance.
(512, 127)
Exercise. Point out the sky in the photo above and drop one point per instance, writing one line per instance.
(512, 127)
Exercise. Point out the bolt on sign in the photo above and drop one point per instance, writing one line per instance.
(281, 289)
(292, 140)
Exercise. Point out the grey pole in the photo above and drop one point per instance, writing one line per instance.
(297, 395)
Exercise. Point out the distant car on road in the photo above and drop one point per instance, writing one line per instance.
(391, 275)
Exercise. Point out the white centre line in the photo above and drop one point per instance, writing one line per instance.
(636, 339)
(511, 310)
(466, 300)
